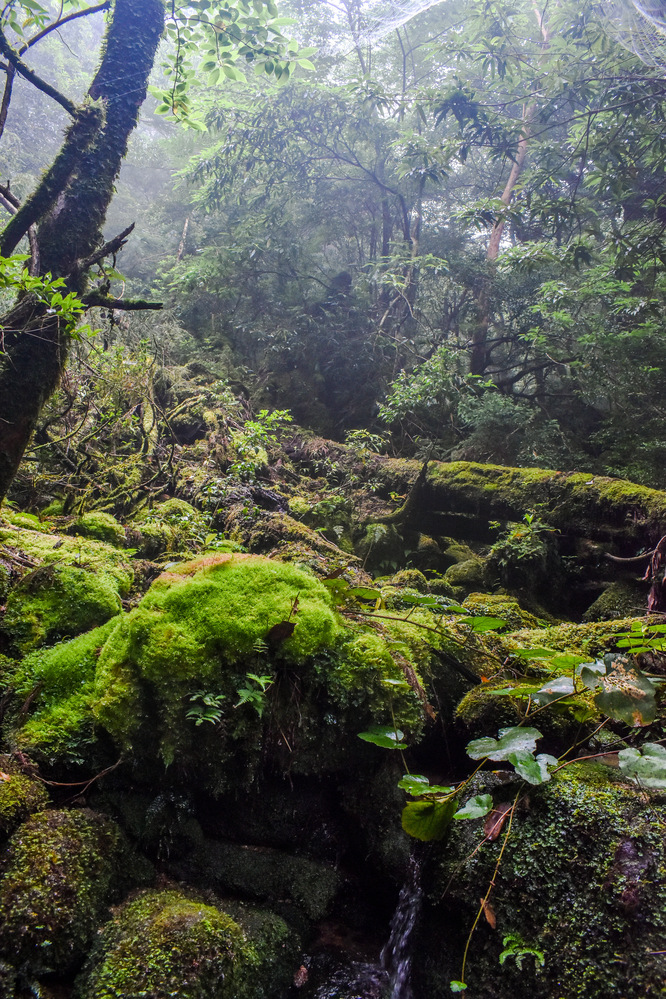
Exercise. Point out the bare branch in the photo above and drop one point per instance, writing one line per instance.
(112, 246)
(32, 77)
(63, 20)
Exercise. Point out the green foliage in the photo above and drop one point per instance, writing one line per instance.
(427, 820)
(251, 441)
(647, 765)
(516, 949)
(625, 693)
(384, 736)
(17, 280)
(205, 707)
(254, 692)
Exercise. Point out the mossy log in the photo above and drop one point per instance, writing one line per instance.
(578, 503)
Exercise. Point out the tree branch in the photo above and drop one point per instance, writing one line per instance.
(6, 97)
(112, 246)
(59, 23)
(32, 77)
(124, 305)
(87, 123)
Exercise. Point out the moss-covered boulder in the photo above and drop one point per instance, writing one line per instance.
(579, 898)
(227, 658)
(60, 681)
(620, 599)
(169, 943)
(61, 871)
(168, 527)
(21, 794)
(467, 577)
(502, 606)
(62, 586)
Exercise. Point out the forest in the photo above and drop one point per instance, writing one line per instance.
(333, 499)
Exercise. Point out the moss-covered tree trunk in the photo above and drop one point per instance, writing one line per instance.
(72, 210)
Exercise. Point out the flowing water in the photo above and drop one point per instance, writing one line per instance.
(397, 954)
(391, 977)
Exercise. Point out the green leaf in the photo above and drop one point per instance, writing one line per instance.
(427, 820)
(561, 686)
(365, 593)
(458, 986)
(647, 765)
(480, 625)
(511, 740)
(475, 808)
(307, 64)
(417, 785)
(626, 694)
(384, 736)
(534, 771)
(537, 653)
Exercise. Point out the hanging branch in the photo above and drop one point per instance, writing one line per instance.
(31, 77)
(95, 299)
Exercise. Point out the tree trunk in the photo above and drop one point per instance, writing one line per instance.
(34, 343)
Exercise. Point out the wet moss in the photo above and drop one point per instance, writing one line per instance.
(502, 606)
(582, 880)
(75, 585)
(166, 943)
(60, 874)
(619, 600)
(169, 527)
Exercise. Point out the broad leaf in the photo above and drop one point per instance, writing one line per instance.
(475, 808)
(647, 765)
(427, 820)
(416, 785)
(385, 736)
(561, 686)
(534, 771)
(625, 693)
(480, 625)
(511, 740)
(458, 986)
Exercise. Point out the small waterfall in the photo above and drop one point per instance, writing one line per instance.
(396, 956)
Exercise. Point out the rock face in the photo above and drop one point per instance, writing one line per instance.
(578, 907)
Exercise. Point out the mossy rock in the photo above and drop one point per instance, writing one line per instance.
(61, 681)
(619, 600)
(62, 870)
(579, 896)
(100, 526)
(171, 943)
(168, 527)
(428, 554)
(593, 639)
(20, 795)
(76, 584)
(203, 629)
(269, 876)
(413, 579)
(55, 602)
(381, 548)
(467, 577)
(502, 606)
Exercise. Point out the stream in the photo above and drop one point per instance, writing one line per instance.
(390, 977)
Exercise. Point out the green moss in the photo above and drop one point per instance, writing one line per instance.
(20, 795)
(26, 521)
(171, 943)
(54, 602)
(582, 879)
(587, 639)
(575, 502)
(76, 584)
(502, 606)
(63, 678)
(411, 578)
(172, 526)
(60, 874)
(467, 576)
(101, 527)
